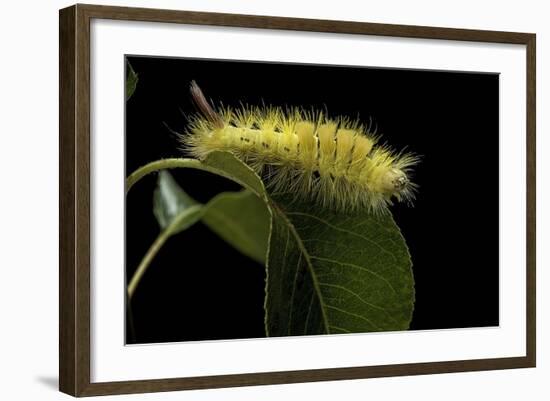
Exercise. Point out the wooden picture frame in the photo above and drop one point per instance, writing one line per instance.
(74, 206)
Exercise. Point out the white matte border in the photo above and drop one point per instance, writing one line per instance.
(112, 361)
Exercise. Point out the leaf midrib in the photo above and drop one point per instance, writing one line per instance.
(309, 265)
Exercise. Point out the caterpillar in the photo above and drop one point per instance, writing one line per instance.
(335, 162)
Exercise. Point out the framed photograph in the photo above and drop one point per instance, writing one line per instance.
(250, 200)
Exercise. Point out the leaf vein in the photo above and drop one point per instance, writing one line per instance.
(369, 240)
(357, 267)
(360, 298)
(355, 315)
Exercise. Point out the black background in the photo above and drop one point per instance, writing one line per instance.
(198, 288)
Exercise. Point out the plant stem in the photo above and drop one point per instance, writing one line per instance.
(146, 261)
(164, 235)
(181, 163)
(161, 165)
(189, 217)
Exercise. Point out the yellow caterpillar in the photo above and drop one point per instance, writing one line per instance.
(336, 163)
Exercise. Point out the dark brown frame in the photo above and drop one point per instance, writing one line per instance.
(74, 202)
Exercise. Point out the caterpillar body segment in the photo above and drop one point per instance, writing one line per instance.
(336, 163)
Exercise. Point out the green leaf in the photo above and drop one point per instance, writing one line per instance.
(169, 201)
(131, 80)
(327, 272)
(175, 211)
(336, 273)
(223, 164)
(227, 165)
(242, 220)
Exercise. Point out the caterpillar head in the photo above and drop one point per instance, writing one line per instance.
(395, 182)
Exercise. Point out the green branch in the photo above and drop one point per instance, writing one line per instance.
(181, 163)
(193, 213)
(161, 165)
